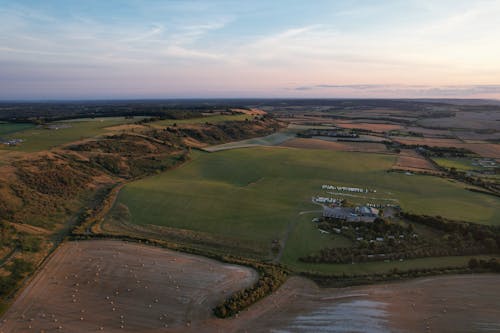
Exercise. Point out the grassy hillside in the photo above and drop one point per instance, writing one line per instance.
(39, 138)
(201, 120)
(258, 194)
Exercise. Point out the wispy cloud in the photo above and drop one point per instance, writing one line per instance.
(408, 90)
(428, 48)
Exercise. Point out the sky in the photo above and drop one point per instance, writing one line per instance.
(96, 49)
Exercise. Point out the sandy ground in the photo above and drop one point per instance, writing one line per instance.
(89, 279)
(104, 285)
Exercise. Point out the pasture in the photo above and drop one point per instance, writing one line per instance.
(263, 194)
(201, 120)
(42, 138)
(10, 128)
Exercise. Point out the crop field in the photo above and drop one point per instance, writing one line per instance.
(410, 160)
(200, 120)
(264, 194)
(41, 138)
(269, 140)
(463, 164)
(10, 128)
(436, 142)
(316, 143)
(375, 127)
(114, 286)
(455, 303)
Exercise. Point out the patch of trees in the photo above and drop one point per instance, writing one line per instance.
(344, 280)
(51, 111)
(336, 133)
(486, 234)
(270, 279)
(222, 132)
(382, 240)
(18, 269)
(432, 151)
(480, 264)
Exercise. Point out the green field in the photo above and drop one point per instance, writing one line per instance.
(39, 138)
(10, 128)
(461, 164)
(257, 194)
(202, 120)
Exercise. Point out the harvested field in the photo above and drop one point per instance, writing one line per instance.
(429, 141)
(269, 140)
(367, 147)
(491, 150)
(410, 160)
(103, 285)
(467, 303)
(468, 120)
(375, 127)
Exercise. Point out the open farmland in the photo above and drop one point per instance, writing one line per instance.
(10, 128)
(257, 195)
(58, 133)
(410, 160)
(201, 120)
(374, 127)
(441, 304)
(310, 143)
(490, 150)
(115, 286)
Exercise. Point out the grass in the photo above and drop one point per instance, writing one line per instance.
(38, 138)
(202, 120)
(256, 194)
(462, 164)
(10, 128)
(382, 266)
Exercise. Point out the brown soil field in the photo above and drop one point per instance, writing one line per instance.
(126, 127)
(429, 141)
(468, 120)
(375, 127)
(466, 303)
(253, 112)
(491, 150)
(410, 160)
(367, 147)
(103, 285)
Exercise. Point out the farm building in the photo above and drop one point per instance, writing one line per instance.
(358, 214)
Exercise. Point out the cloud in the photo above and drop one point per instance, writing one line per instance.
(409, 90)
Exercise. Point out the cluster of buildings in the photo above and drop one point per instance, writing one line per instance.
(351, 214)
(11, 142)
(485, 163)
(333, 133)
(325, 200)
(347, 189)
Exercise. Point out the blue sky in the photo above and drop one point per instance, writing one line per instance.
(170, 49)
